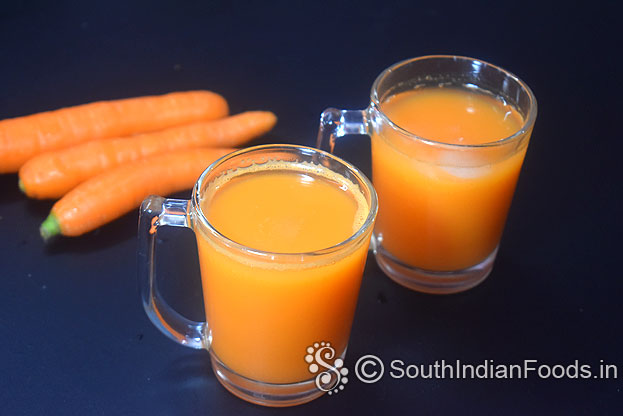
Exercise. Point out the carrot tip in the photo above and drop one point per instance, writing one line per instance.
(20, 185)
(49, 228)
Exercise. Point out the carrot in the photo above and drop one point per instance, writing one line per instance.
(23, 137)
(53, 174)
(111, 194)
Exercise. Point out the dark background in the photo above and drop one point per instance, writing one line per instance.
(73, 336)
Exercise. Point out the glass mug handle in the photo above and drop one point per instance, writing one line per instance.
(336, 123)
(156, 212)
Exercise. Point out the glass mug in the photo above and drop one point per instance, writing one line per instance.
(266, 312)
(443, 206)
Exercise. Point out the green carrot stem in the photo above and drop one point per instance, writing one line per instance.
(50, 227)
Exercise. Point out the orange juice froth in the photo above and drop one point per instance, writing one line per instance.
(444, 208)
(264, 314)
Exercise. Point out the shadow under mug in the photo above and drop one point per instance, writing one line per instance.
(264, 311)
(442, 206)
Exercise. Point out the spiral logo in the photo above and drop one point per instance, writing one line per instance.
(333, 378)
(369, 369)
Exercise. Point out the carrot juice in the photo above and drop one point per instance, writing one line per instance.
(443, 208)
(263, 311)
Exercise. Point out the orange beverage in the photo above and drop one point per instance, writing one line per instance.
(264, 314)
(443, 208)
(449, 134)
(282, 234)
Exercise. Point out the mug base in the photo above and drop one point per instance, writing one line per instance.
(430, 281)
(265, 394)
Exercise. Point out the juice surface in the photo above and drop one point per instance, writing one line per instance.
(452, 115)
(263, 314)
(440, 208)
(285, 211)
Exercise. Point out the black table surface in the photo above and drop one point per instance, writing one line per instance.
(73, 336)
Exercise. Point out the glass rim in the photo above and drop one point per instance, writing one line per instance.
(526, 126)
(360, 176)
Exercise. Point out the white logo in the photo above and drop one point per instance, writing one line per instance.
(333, 378)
